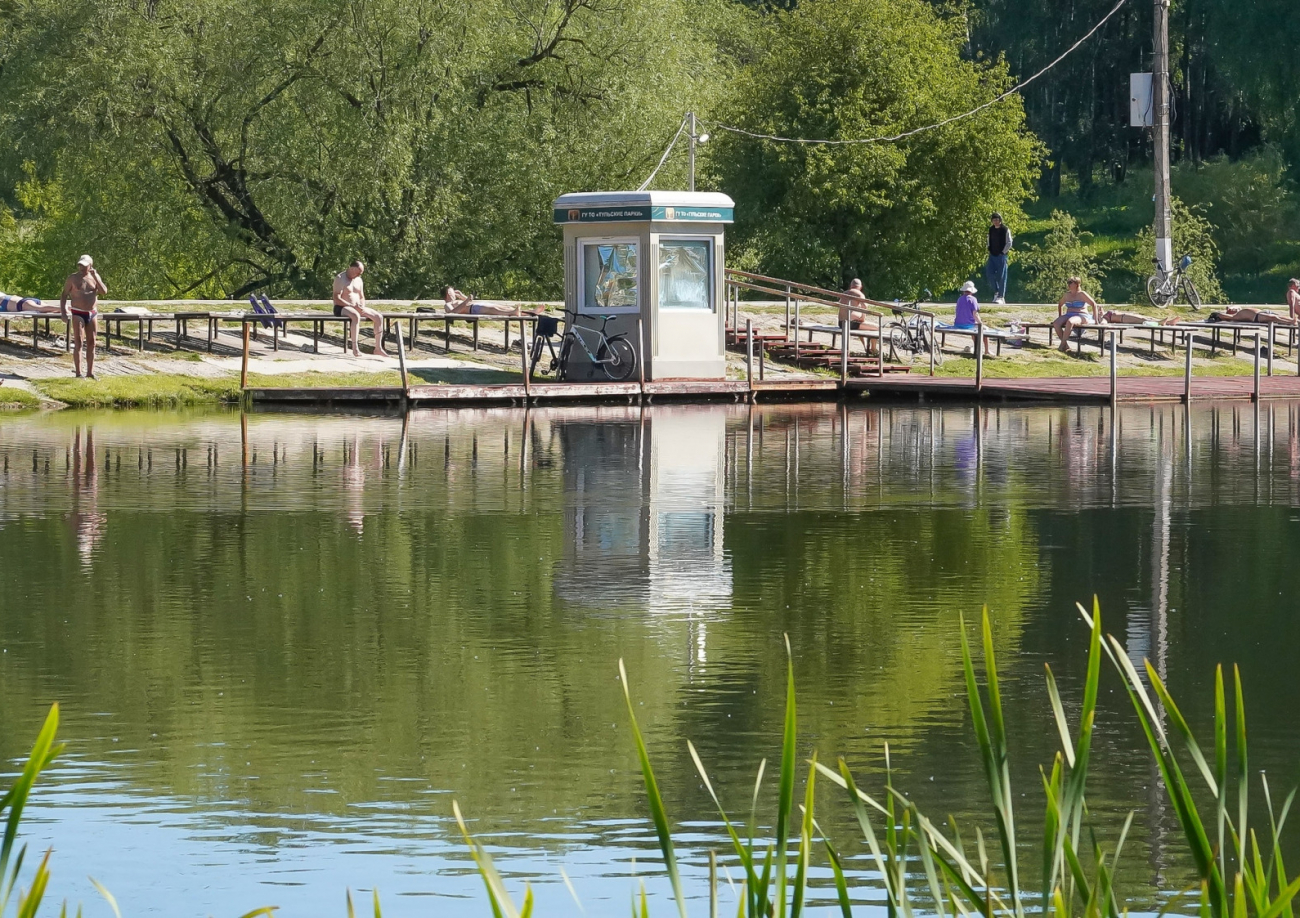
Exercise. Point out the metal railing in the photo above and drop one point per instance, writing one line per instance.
(796, 295)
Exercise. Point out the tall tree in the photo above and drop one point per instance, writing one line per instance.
(219, 146)
(901, 215)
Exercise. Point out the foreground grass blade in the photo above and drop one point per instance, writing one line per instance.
(657, 812)
(502, 905)
(15, 799)
(805, 841)
(785, 796)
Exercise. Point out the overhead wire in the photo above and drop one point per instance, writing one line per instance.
(663, 159)
(775, 138)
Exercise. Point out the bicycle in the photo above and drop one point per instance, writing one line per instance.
(912, 335)
(614, 355)
(1163, 287)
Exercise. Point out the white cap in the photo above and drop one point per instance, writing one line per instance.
(968, 287)
(85, 261)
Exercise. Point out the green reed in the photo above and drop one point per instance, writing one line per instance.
(921, 864)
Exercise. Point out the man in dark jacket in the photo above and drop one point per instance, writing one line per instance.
(996, 269)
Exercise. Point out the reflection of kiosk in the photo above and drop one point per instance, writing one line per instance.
(656, 254)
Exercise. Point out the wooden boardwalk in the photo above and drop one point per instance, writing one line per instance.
(1056, 390)
(1074, 390)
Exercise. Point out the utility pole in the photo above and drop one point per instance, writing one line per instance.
(692, 132)
(1160, 104)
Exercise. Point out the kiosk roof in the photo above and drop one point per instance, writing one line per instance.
(640, 206)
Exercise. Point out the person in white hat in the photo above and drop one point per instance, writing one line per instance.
(968, 310)
(81, 293)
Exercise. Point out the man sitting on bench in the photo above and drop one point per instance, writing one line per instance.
(852, 305)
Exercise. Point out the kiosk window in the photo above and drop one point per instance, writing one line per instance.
(609, 277)
(684, 270)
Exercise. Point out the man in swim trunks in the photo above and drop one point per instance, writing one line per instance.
(1293, 297)
(463, 303)
(1075, 309)
(1251, 315)
(1112, 317)
(81, 291)
(350, 301)
(853, 305)
(10, 303)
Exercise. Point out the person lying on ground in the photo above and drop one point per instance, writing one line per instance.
(463, 303)
(1075, 309)
(11, 304)
(1114, 317)
(80, 297)
(853, 304)
(350, 302)
(968, 311)
(1251, 316)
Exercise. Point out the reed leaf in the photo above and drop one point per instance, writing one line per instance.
(1243, 773)
(502, 905)
(743, 852)
(15, 799)
(657, 812)
(841, 887)
(29, 904)
(805, 841)
(785, 798)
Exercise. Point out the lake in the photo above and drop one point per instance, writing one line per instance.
(283, 644)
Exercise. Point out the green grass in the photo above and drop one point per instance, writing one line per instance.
(174, 390)
(1089, 365)
(164, 390)
(12, 399)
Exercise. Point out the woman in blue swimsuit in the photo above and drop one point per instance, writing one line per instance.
(1076, 308)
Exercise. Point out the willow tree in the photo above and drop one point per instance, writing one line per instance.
(902, 215)
(219, 146)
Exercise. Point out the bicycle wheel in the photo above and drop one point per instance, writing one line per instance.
(930, 344)
(562, 362)
(1156, 292)
(618, 358)
(1192, 294)
(535, 355)
(899, 342)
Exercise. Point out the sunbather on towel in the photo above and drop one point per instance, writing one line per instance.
(463, 303)
(1112, 317)
(11, 303)
(1249, 314)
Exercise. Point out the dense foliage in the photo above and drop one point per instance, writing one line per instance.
(211, 147)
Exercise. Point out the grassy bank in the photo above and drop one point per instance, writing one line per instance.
(175, 390)
(15, 399)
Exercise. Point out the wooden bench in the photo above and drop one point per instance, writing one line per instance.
(997, 335)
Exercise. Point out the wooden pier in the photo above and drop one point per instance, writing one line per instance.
(1055, 390)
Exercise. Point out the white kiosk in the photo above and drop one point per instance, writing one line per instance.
(654, 254)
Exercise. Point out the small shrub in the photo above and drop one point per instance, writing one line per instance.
(1065, 252)
(1194, 236)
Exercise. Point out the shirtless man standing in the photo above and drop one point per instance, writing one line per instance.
(83, 288)
(1293, 297)
(350, 301)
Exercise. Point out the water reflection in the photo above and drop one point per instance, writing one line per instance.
(283, 642)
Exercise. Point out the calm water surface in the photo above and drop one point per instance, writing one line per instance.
(284, 644)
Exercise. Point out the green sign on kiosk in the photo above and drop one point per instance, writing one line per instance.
(653, 255)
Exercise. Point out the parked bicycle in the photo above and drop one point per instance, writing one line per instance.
(1164, 286)
(612, 355)
(912, 335)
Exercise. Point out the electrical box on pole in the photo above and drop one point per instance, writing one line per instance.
(1140, 103)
